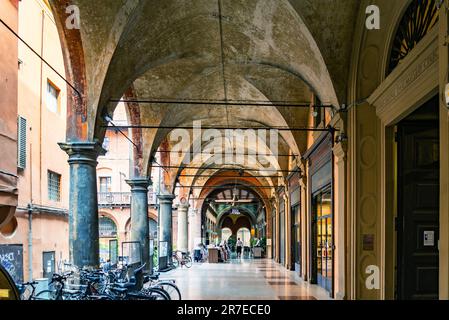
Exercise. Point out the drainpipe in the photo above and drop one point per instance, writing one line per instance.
(41, 105)
(30, 242)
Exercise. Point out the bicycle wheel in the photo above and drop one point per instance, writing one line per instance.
(171, 289)
(45, 295)
(188, 262)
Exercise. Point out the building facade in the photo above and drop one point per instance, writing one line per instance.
(40, 238)
(350, 190)
(8, 121)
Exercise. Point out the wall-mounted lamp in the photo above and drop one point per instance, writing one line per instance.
(342, 137)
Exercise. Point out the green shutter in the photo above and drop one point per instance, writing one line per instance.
(21, 142)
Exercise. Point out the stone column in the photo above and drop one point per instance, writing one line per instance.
(183, 228)
(277, 249)
(340, 221)
(165, 228)
(194, 228)
(139, 217)
(83, 204)
(304, 228)
(288, 231)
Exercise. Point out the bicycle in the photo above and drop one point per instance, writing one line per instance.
(184, 260)
(57, 285)
(133, 289)
(167, 285)
(25, 292)
(113, 284)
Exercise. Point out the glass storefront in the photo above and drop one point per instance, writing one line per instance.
(296, 237)
(322, 204)
(273, 232)
(282, 231)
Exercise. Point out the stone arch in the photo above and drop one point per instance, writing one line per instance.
(134, 119)
(241, 222)
(106, 222)
(75, 69)
(109, 215)
(245, 182)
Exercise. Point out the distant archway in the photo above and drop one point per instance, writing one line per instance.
(226, 233)
(244, 234)
(107, 231)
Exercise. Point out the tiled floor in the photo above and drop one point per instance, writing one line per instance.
(243, 280)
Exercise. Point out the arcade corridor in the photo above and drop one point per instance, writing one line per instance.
(313, 134)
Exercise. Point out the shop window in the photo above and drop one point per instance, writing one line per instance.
(324, 247)
(54, 186)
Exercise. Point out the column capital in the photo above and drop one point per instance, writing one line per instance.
(166, 198)
(183, 207)
(83, 151)
(139, 184)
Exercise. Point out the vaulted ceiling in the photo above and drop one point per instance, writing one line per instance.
(245, 50)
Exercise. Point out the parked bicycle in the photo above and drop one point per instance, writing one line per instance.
(181, 259)
(124, 283)
(27, 290)
(56, 287)
(167, 285)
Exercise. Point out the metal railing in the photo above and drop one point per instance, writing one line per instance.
(111, 199)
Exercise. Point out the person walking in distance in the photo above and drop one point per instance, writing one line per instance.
(239, 246)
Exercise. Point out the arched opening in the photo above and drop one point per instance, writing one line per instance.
(244, 234)
(419, 18)
(226, 234)
(108, 237)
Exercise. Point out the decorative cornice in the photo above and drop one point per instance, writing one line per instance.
(410, 82)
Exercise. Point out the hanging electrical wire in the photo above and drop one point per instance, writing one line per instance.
(118, 128)
(230, 169)
(278, 128)
(223, 103)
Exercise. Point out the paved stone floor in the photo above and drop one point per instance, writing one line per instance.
(261, 279)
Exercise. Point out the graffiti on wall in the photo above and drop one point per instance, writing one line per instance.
(11, 258)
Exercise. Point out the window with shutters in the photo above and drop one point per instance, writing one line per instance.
(54, 186)
(52, 97)
(21, 142)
